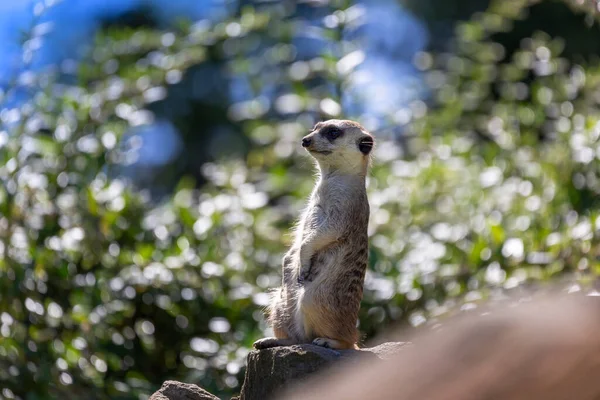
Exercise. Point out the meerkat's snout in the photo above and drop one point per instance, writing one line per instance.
(365, 145)
(306, 141)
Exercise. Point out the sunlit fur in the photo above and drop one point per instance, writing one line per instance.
(323, 272)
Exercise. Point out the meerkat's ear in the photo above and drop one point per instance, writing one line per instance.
(365, 145)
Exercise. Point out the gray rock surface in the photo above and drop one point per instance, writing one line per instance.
(270, 370)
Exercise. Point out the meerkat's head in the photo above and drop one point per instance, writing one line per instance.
(340, 146)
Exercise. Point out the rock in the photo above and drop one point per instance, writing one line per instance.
(269, 370)
(546, 348)
(387, 350)
(173, 390)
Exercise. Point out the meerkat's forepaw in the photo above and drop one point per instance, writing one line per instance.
(268, 342)
(265, 343)
(304, 273)
(303, 277)
(330, 343)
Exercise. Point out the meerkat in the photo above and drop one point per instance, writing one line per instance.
(324, 269)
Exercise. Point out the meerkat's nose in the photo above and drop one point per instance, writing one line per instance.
(306, 142)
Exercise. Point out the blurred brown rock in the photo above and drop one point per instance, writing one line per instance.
(547, 349)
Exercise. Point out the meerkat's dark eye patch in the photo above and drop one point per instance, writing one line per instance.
(365, 145)
(331, 133)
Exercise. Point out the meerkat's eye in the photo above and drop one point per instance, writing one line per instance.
(333, 133)
(365, 145)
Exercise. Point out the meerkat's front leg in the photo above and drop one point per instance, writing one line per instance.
(317, 241)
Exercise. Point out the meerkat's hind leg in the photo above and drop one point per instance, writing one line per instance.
(269, 342)
(332, 343)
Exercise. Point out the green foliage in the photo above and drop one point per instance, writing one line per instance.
(105, 294)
